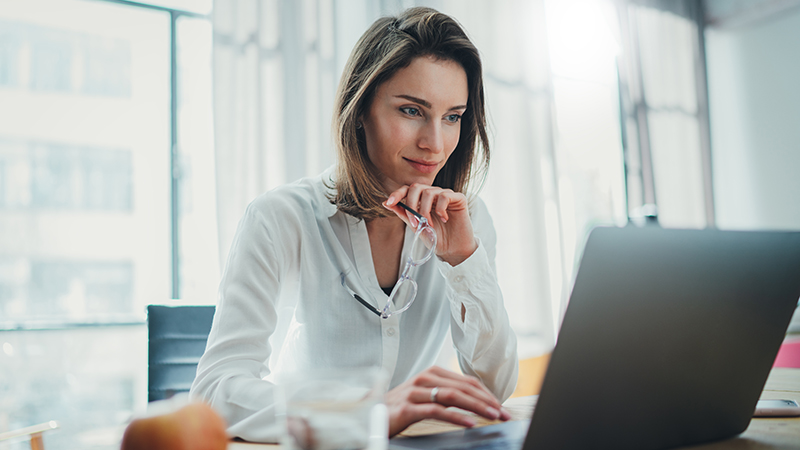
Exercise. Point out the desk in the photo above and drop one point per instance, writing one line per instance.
(762, 434)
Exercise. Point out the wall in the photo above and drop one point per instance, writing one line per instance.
(754, 96)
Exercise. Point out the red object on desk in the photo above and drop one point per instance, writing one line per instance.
(789, 354)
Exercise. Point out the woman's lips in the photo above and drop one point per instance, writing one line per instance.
(423, 166)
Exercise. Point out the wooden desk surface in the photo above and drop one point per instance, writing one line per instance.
(762, 434)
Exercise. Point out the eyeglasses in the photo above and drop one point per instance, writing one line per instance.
(405, 290)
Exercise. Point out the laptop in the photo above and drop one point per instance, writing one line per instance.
(667, 341)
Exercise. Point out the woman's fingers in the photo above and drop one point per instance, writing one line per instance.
(446, 211)
(448, 396)
(415, 412)
(427, 200)
(436, 201)
(437, 411)
(391, 204)
(458, 390)
(416, 406)
(449, 415)
(397, 195)
(441, 210)
(431, 392)
(470, 385)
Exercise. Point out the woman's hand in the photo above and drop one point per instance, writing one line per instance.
(446, 211)
(413, 400)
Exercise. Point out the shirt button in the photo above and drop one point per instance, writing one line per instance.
(390, 332)
(458, 279)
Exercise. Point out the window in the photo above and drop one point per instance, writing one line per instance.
(85, 151)
(106, 189)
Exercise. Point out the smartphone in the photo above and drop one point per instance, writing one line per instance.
(777, 408)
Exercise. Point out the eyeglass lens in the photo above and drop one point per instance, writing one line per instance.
(424, 245)
(402, 296)
(405, 291)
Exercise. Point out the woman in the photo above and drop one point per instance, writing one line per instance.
(314, 262)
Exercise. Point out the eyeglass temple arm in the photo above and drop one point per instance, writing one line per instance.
(369, 307)
(402, 205)
(357, 297)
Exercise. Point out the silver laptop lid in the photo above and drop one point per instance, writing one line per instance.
(668, 338)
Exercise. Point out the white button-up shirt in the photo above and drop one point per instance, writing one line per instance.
(282, 308)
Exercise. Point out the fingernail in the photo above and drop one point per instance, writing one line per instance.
(469, 422)
(504, 414)
(412, 219)
(386, 204)
(389, 201)
(493, 413)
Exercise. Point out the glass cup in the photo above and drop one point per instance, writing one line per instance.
(336, 410)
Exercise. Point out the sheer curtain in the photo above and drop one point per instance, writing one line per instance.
(556, 156)
(273, 90)
(520, 190)
(557, 168)
(666, 110)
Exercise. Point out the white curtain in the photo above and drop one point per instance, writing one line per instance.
(668, 110)
(276, 64)
(520, 190)
(274, 83)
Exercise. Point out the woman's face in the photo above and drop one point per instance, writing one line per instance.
(414, 121)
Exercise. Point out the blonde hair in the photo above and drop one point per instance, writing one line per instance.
(391, 44)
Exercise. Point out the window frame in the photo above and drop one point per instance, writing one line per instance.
(174, 15)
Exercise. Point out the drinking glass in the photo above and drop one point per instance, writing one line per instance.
(336, 410)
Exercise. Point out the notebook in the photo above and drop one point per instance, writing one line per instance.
(668, 339)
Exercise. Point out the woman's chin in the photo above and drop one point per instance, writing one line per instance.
(391, 185)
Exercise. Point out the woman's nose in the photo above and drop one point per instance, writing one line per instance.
(431, 136)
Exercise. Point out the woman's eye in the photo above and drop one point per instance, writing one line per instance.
(411, 111)
(453, 118)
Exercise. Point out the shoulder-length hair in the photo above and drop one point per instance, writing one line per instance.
(391, 44)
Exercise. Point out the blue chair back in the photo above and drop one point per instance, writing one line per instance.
(177, 338)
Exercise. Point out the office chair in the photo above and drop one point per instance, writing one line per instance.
(34, 433)
(177, 339)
